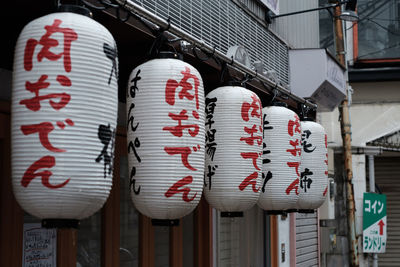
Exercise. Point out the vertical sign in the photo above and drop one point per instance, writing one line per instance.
(374, 223)
(39, 246)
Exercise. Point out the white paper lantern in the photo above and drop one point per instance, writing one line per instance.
(64, 112)
(314, 166)
(281, 159)
(165, 111)
(232, 181)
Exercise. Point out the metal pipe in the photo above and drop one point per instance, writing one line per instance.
(371, 172)
(137, 9)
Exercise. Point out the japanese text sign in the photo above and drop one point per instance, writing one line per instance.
(374, 223)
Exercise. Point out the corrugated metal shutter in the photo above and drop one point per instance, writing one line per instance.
(223, 24)
(306, 239)
(387, 172)
(293, 29)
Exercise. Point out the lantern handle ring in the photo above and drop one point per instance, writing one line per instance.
(128, 15)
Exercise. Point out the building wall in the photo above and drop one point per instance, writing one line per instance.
(302, 30)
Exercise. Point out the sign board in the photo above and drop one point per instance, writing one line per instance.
(39, 246)
(272, 5)
(374, 223)
(315, 74)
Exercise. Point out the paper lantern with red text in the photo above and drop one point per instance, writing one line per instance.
(165, 111)
(64, 113)
(313, 184)
(232, 180)
(281, 159)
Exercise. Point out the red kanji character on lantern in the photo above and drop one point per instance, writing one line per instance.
(193, 129)
(31, 173)
(48, 43)
(251, 179)
(294, 151)
(294, 165)
(255, 107)
(186, 87)
(178, 187)
(252, 131)
(294, 123)
(34, 102)
(185, 152)
(251, 155)
(44, 130)
(293, 186)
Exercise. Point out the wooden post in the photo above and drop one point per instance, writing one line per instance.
(176, 245)
(203, 235)
(66, 247)
(346, 137)
(146, 242)
(11, 214)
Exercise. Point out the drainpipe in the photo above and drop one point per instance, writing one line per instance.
(371, 172)
(345, 127)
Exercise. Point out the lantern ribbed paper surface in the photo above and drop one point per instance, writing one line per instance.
(233, 149)
(165, 111)
(281, 159)
(314, 166)
(64, 112)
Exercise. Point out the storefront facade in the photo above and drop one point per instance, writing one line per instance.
(118, 235)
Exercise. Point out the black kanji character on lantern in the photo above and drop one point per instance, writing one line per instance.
(133, 88)
(131, 118)
(306, 146)
(266, 151)
(133, 182)
(106, 135)
(211, 145)
(305, 181)
(210, 174)
(266, 178)
(111, 54)
(133, 146)
(265, 125)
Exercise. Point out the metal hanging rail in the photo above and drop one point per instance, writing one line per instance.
(138, 10)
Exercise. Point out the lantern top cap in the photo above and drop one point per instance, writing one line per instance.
(75, 9)
(279, 104)
(169, 54)
(307, 119)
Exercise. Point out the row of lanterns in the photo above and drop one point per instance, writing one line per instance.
(64, 111)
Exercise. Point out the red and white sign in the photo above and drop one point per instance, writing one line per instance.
(64, 112)
(313, 184)
(281, 159)
(232, 180)
(165, 112)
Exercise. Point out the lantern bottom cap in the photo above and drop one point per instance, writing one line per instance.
(231, 213)
(60, 223)
(306, 211)
(166, 222)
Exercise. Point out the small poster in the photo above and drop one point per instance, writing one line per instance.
(39, 246)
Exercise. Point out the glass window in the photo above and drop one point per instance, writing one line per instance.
(240, 240)
(89, 241)
(378, 29)
(129, 221)
(187, 224)
(161, 246)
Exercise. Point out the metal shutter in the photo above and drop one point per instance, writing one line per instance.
(222, 23)
(306, 239)
(387, 172)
